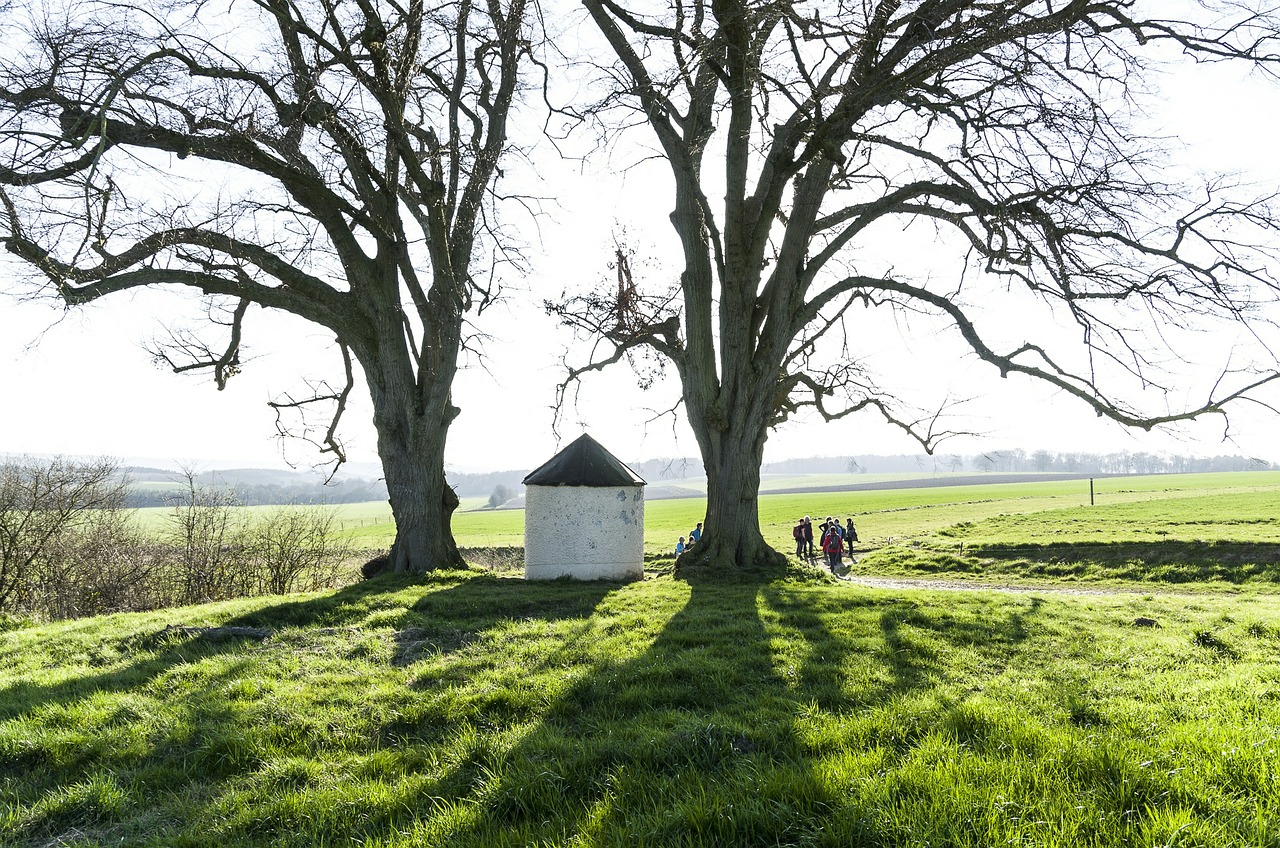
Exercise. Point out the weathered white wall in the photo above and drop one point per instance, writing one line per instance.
(584, 532)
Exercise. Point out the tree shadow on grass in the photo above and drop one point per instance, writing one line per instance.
(710, 731)
(217, 727)
(161, 649)
(911, 632)
(470, 606)
(627, 753)
(909, 648)
(1170, 561)
(711, 734)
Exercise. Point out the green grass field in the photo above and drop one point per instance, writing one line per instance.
(469, 709)
(906, 516)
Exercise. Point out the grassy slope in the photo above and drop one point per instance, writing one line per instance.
(1219, 535)
(480, 711)
(471, 710)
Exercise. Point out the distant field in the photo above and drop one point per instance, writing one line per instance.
(908, 515)
(1230, 506)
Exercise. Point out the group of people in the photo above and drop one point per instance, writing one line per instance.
(832, 538)
(694, 535)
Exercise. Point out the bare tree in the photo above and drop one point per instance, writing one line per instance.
(295, 549)
(1005, 132)
(333, 159)
(208, 540)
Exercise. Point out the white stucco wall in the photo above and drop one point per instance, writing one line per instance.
(584, 532)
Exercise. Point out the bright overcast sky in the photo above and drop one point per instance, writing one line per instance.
(82, 383)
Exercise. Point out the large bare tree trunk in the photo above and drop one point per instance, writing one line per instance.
(422, 502)
(411, 439)
(731, 538)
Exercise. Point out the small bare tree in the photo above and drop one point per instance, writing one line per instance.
(208, 542)
(294, 549)
(801, 137)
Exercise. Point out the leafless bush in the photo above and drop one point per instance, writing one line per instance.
(44, 506)
(496, 559)
(70, 548)
(208, 544)
(105, 565)
(292, 549)
(219, 550)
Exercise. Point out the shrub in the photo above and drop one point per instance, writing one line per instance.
(43, 504)
(292, 549)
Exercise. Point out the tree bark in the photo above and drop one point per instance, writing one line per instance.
(732, 451)
(422, 501)
(412, 423)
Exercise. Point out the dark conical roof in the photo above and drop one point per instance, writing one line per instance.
(584, 463)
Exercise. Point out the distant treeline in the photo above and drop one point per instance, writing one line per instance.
(652, 470)
(657, 471)
(257, 486)
(150, 487)
(1017, 460)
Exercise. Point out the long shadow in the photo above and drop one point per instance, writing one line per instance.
(661, 746)
(903, 650)
(441, 616)
(478, 602)
(909, 629)
(1170, 561)
(215, 734)
(686, 709)
(705, 737)
(161, 649)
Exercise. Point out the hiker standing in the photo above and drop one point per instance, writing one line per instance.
(833, 547)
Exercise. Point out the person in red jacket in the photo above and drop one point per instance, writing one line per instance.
(833, 547)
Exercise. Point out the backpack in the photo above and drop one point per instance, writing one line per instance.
(832, 543)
